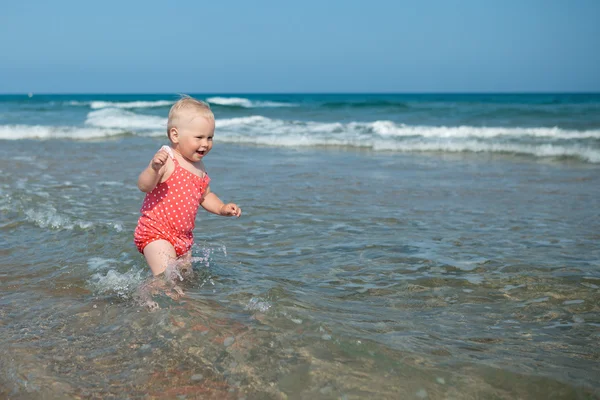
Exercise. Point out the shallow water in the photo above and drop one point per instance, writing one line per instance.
(351, 274)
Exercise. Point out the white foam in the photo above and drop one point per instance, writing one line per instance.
(122, 119)
(131, 104)
(16, 132)
(96, 263)
(246, 103)
(389, 128)
(51, 218)
(377, 135)
(258, 304)
(242, 121)
(388, 136)
(541, 150)
(95, 105)
(230, 101)
(123, 284)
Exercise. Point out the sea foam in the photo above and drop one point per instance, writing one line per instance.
(116, 118)
(246, 103)
(16, 132)
(379, 135)
(122, 284)
(95, 105)
(51, 218)
(131, 104)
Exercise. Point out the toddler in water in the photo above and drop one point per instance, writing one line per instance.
(176, 183)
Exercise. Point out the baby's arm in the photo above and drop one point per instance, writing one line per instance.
(213, 204)
(150, 177)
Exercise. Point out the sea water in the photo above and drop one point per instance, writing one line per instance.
(391, 246)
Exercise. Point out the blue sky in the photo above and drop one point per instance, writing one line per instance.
(310, 46)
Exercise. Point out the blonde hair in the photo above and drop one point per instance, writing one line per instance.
(189, 107)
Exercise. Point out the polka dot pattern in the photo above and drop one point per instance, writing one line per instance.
(169, 211)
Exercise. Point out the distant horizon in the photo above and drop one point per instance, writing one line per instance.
(294, 93)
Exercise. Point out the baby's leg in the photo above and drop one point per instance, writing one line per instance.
(184, 265)
(159, 254)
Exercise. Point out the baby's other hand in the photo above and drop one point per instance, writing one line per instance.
(230, 210)
(159, 159)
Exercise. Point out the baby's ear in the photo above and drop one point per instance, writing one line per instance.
(173, 135)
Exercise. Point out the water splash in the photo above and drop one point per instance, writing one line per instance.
(121, 284)
(258, 304)
(51, 218)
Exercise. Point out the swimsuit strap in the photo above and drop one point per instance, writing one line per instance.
(170, 151)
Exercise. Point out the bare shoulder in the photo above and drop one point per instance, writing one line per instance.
(201, 167)
(198, 168)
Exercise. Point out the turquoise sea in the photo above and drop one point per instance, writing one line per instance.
(392, 246)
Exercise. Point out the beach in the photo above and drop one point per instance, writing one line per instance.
(391, 246)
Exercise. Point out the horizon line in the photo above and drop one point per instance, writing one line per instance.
(32, 93)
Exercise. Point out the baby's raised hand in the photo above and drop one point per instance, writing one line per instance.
(230, 210)
(159, 159)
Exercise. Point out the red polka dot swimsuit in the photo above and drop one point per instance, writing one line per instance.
(169, 210)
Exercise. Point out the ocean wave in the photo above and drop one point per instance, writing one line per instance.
(95, 105)
(472, 146)
(263, 125)
(475, 146)
(389, 136)
(122, 119)
(389, 128)
(103, 123)
(17, 132)
(380, 135)
(131, 104)
(245, 103)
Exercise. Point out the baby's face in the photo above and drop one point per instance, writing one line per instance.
(195, 137)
